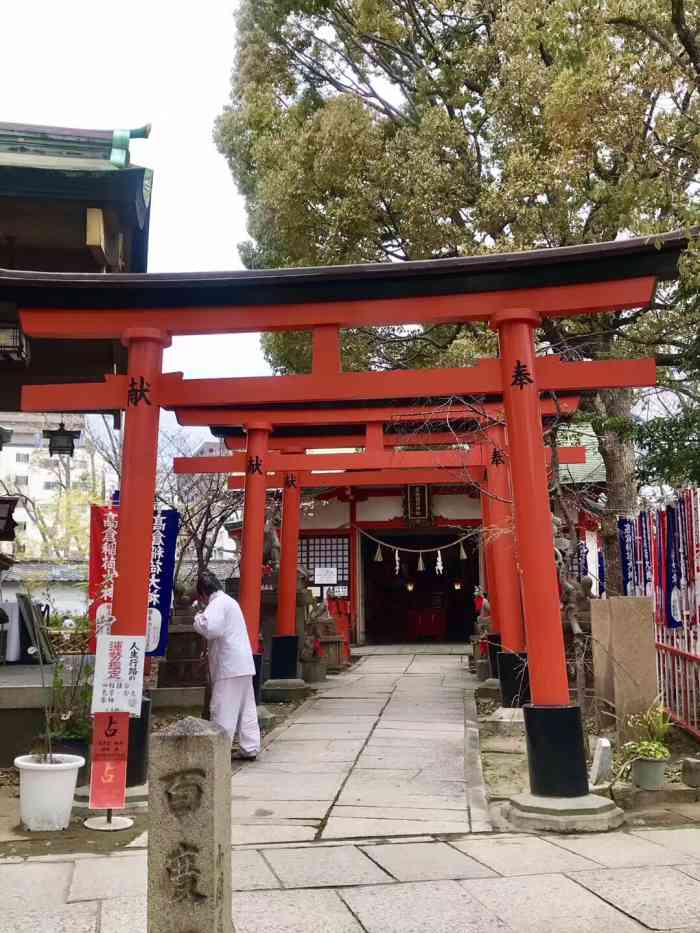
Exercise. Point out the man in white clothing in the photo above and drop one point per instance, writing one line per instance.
(231, 666)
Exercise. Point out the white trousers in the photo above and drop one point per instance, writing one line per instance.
(233, 708)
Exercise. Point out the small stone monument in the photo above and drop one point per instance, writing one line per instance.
(690, 774)
(189, 845)
(602, 766)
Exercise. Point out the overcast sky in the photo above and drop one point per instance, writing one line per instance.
(104, 66)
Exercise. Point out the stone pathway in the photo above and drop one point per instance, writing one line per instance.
(361, 816)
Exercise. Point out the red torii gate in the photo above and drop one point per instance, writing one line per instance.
(480, 467)
(513, 293)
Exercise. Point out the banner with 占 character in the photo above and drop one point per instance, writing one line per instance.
(104, 525)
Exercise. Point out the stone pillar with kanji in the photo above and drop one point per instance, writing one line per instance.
(189, 840)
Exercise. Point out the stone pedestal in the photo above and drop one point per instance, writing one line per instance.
(183, 665)
(624, 655)
(189, 850)
(284, 690)
(585, 814)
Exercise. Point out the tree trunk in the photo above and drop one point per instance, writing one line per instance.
(618, 456)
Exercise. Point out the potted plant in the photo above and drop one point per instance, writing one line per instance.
(648, 754)
(70, 724)
(48, 778)
(647, 760)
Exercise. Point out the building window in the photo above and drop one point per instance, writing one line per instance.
(327, 552)
(21, 480)
(22, 458)
(52, 484)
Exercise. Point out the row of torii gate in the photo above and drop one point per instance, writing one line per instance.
(513, 294)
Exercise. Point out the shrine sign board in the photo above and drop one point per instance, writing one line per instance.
(110, 738)
(325, 576)
(418, 503)
(118, 679)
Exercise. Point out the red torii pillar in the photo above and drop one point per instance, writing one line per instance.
(138, 480)
(504, 582)
(138, 486)
(252, 537)
(289, 556)
(554, 728)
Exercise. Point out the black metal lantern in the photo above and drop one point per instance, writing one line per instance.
(5, 437)
(61, 442)
(14, 347)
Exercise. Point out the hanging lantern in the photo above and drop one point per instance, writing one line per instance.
(409, 586)
(378, 558)
(457, 584)
(397, 564)
(438, 564)
(421, 565)
(462, 552)
(61, 442)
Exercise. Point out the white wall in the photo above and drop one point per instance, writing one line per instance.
(326, 515)
(456, 507)
(64, 596)
(380, 509)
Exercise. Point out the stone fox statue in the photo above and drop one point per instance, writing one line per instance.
(271, 544)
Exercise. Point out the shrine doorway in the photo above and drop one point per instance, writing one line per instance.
(418, 604)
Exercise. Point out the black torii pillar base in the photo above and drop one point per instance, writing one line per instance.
(514, 678)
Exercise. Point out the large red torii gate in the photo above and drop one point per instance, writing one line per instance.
(512, 293)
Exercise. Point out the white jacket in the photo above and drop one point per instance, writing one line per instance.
(223, 626)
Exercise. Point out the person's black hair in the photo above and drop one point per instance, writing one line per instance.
(208, 583)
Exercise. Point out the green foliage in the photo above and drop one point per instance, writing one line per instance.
(646, 749)
(365, 130)
(69, 712)
(669, 449)
(653, 725)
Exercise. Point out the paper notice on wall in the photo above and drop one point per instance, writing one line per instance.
(118, 679)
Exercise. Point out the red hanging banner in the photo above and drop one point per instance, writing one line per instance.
(110, 736)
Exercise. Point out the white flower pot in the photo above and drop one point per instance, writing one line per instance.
(46, 791)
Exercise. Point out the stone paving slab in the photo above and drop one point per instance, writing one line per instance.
(692, 870)
(262, 833)
(304, 732)
(344, 750)
(541, 899)
(124, 915)
(78, 918)
(34, 884)
(103, 878)
(422, 907)
(256, 784)
(523, 855)
(621, 850)
(266, 811)
(685, 841)
(340, 828)
(386, 801)
(402, 813)
(293, 912)
(341, 865)
(250, 872)
(658, 897)
(426, 861)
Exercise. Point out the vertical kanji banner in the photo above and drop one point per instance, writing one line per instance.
(104, 524)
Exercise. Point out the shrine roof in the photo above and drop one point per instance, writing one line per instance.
(597, 262)
(66, 149)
